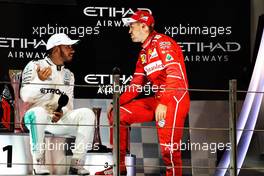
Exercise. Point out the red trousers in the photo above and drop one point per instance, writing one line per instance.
(143, 110)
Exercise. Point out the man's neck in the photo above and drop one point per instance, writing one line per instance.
(145, 37)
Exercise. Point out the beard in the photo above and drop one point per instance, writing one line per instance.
(66, 58)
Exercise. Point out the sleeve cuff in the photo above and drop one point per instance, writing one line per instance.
(64, 110)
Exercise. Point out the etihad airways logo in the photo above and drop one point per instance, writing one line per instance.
(153, 67)
(110, 11)
(105, 79)
(13, 42)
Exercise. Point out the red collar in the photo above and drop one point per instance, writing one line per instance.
(149, 39)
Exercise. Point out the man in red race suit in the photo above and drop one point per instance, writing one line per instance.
(161, 63)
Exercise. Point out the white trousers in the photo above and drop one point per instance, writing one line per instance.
(74, 123)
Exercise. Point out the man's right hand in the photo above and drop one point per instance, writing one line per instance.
(56, 116)
(44, 73)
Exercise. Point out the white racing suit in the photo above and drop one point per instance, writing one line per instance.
(43, 97)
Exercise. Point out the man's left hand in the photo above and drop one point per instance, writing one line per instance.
(109, 109)
(160, 112)
(56, 116)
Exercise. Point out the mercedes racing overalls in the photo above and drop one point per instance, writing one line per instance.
(43, 97)
(160, 62)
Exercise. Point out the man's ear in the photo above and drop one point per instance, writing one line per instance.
(145, 27)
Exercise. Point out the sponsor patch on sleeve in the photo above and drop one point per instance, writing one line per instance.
(157, 37)
(153, 53)
(67, 77)
(165, 45)
(143, 58)
(169, 58)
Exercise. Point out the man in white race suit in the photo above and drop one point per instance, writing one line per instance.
(43, 82)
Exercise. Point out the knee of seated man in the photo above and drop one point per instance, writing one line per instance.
(35, 115)
(37, 110)
(124, 117)
(86, 115)
(38, 113)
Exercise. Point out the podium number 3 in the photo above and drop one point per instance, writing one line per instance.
(9, 149)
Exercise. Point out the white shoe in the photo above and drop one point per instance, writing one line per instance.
(39, 167)
(77, 167)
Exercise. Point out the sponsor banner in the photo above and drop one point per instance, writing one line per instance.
(215, 42)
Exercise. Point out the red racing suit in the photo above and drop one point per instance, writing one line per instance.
(160, 62)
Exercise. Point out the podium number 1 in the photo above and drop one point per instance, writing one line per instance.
(9, 149)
